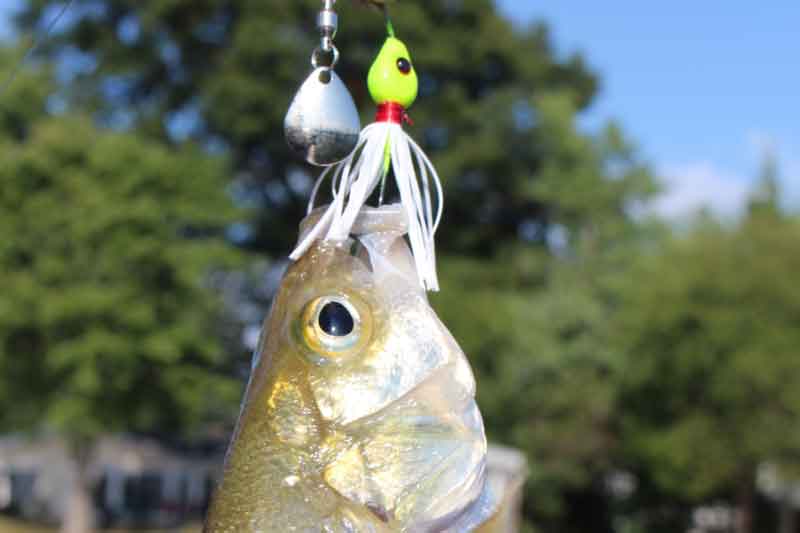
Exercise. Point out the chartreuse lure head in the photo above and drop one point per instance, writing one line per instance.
(392, 77)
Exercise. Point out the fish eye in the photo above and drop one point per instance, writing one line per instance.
(404, 65)
(334, 326)
(336, 320)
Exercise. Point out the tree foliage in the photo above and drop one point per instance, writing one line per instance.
(708, 326)
(105, 322)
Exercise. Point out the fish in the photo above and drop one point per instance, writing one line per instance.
(360, 413)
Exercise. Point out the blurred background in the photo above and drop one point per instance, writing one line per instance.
(619, 253)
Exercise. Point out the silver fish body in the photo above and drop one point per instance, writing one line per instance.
(360, 414)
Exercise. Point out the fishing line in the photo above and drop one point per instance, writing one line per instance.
(37, 41)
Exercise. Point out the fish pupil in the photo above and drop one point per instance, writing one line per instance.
(336, 320)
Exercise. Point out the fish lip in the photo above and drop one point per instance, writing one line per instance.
(390, 218)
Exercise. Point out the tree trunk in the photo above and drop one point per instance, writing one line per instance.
(79, 512)
(788, 518)
(746, 504)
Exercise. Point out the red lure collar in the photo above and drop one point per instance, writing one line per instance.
(394, 113)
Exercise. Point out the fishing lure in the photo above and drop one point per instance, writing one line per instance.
(322, 123)
(383, 147)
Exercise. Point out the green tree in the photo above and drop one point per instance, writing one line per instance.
(538, 213)
(709, 330)
(106, 322)
(765, 201)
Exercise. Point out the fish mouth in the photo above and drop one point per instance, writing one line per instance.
(390, 218)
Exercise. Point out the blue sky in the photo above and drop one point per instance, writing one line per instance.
(703, 87)
(5, 9)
